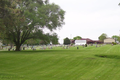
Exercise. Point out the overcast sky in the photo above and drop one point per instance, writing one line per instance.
(89, 18)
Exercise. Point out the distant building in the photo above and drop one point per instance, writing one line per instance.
(72, 41)
(109, 40)
(86, 41)
(89, 41)
(80, 42)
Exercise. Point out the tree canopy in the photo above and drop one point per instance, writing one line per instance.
(117, 38)
(77, 38)
(102, 37)
(54, 38)
(119, 4)
(25, 19)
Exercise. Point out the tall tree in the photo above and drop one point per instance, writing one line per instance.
(54, 39)
(119, 4)
(7, 7)
(117, 38)
(102, 37)
(77, 38)
(66, 41)
(32, 42)
(28, 18)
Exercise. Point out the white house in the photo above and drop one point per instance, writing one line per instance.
(109, 40)
(80, 42)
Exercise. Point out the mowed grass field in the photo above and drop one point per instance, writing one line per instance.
(89, 63)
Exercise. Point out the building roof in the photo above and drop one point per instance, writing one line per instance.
(87, 39)
(72, 41)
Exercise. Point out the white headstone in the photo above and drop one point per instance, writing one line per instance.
(0, 44)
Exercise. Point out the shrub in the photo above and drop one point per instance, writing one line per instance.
(85, 45)
(114, 43)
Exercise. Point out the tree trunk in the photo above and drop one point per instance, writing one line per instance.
(18, 47)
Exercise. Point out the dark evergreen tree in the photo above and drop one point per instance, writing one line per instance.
(66, 41)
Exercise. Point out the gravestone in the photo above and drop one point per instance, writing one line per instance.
(96, 45)
(0, 44)
(23, 48)
(9, 49)
(83, 46)
(77, 47)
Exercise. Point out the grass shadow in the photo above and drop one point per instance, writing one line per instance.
(108, 56)
(36, 51)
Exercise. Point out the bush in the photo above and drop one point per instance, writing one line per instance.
(85, 45)
(114, 43)
(72, 44)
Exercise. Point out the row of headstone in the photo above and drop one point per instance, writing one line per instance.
(44, 47)
(96, 45)
(66, 46)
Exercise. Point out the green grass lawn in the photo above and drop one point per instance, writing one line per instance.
(90, 63)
